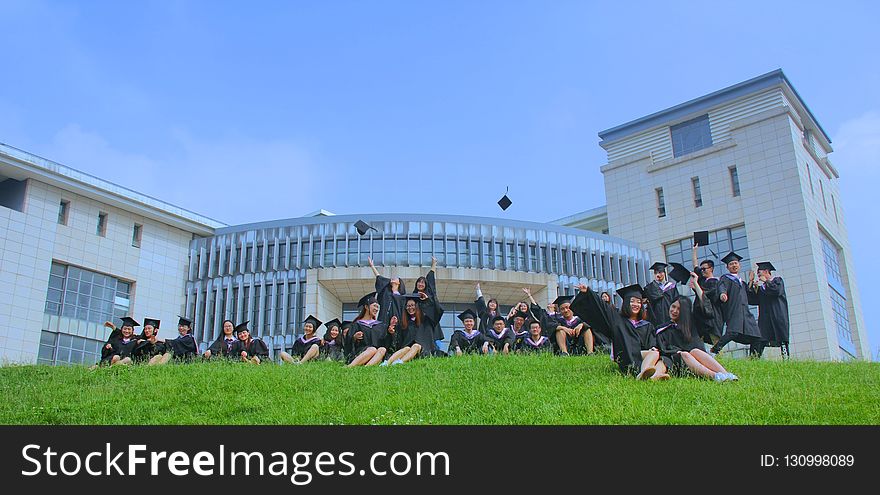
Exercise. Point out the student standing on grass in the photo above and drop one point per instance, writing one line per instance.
(247, 348)
(389, 294)
(222, 347)
(634, 347)
(707, 318)
(536, 342)
(428, 285)
(486, 310)
(333, 341)
(470, 340)
(740, 325)
(307, 347)
(660, 292)
(768, 293)
(368, 338)
(149, 348)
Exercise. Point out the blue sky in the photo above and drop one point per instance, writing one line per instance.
(439, 105)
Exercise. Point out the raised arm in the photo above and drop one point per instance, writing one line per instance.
(590, 308)
(373, 267)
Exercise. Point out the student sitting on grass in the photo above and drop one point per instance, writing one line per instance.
(369, 339)
(633, 342)
(416, 334)
(332, 350)
(470, 340)
(307, 347)
(248, 349)
(120, 345)
(149, 348)
(184, 347)
(222, 347)
(501, 338)
(536, 342)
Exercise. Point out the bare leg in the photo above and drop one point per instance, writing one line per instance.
(506, 349)
(660, 371)
(458, 351)
(312, 353)
(707, 361)
(155, 360)
(363, 357)
(166, 357)
(649, 359)
(255, 360)
(286, 358)
(399, 354)
(694, 365)
(377, 357)
(414, 351)
(589, 341)
(207, 354)
(560, 341)
(114, 359)
(124, 361)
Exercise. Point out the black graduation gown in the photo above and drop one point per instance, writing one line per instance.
(144, 350)
(432, 308)
(670, 339)
(518, 337)
(333, 350)
(184, 347)
(628, 338)
(738, 319)
(468, 343)
(375, 335)
(497, 341)
(222, 348)
(301, 346)
(254, 348)
(548, 321)
(528, 346)
(390, 304)
(485, 317)
(772, 311)
(660, 298)
(707, 317)
(576, 344)
(118, 346)
(423, 334)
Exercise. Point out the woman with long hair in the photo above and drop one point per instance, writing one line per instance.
(486, 311)
(368, 338)
(222, 347)
(307, 347)
(416, 335)
(332, 350)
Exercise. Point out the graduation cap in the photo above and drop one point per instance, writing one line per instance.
(629, 291)
(519, 314)
(701, 238)
(496, 318)
(345, 324)
(766, 265)
(562, 300)
(731, 256)
(367, 300)
(468, 313)
(152, 321)
(505, 202)
(679, 273)
(129, 321)
(184, 321)
(314, 321)
(242, 327)
(334, 323)
(362, 227)
(658, 266)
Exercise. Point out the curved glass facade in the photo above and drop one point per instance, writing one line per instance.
(258, 272)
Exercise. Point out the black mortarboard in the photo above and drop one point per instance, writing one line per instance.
(504, 202)
(314, 321)
(334, 322)
(368, 299)
(151, 321)
(766, 265)
(496, 318)
(625, 293)
(242, 327)
(701, 238)
(679, 273)
(562, 299)
(730, 257)
(184, 321)
(468, 313)
(362, 227)
(658, 266)
(129, 321)
(412, 296)
(346, 324)
(520, 314)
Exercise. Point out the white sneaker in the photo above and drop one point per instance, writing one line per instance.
(720, 377)
(384, 363)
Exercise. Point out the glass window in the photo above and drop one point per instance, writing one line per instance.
(136, 235)
(691, 136)
(102, 224)
(698, 196)
(83, 299)
(734, 181)
(63, 212)
(661, 203)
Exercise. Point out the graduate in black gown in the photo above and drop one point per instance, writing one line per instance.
(247, 348)
(682, 348)
(333, 341)
(486, 311)
(470, 340)
(415, 332)
(308, 346)
(535, 342)
(120, 345)
(634, 346)
(428, 286)
(768, 293)
(389, 294)
(707, 319)
(184, 347)
(149, 348)
(222, 347)
(660, 292)
(369, 339)
(571, 334)
(740, 325)
(501, 338)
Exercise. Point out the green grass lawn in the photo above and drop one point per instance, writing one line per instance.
(467, 390)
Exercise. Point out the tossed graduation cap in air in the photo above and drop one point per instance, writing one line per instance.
(129, 321)
(562, 300)
(314, 321)
(731, 256)
(701, 238)
(468, 313)
(333, 323)
(629, 291)
(367, 300)
(679, 273)
(766, 265)
(505, 202)
(152, 321)
(362, 227)
(242, 327)
(183, 320)
(658, 266)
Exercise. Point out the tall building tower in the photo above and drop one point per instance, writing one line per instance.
(750, 164)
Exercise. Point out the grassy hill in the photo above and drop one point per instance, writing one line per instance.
(467, 390)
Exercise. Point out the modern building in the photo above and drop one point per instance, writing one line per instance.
(749, 163)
